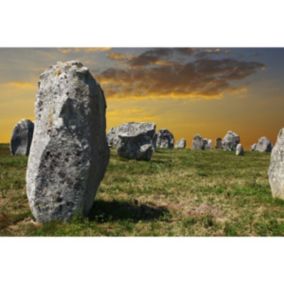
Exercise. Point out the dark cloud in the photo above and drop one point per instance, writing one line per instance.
(158, 72)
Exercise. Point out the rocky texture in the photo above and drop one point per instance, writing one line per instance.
(276, 168)
(252, 147)
(239, 150)
(69, 152)
(180, 144)
(198, 142)
(133, 140)
(263, 145)
(230, 141)
(218, 143)
(22, 138)
(165, 139)
(132, 148)
(145, 130)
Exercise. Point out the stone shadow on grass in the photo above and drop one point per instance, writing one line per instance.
(104, 211)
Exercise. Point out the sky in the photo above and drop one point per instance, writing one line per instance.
(186, 90)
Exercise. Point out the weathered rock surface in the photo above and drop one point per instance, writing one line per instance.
(230, 141)
(263, 145)
(145, 130)
(165, 139)
(218, 143)
(252, 147)
(69, 152)
(180, 144)
(22, 137)
(132, 148)
(276, 168)
(134, 140)
(198, 142)
(239, 150)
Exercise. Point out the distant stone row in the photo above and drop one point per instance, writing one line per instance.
(138, 140)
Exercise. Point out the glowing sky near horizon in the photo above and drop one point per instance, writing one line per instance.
(188, 90)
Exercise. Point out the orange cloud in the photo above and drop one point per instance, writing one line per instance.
(86, 50)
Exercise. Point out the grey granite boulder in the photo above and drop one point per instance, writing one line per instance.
(22, 137)
(263, 145)
(180, 144)
(165, 139)
(239, 150)
(69, 152)
(131, 148)
(276, 168)
(134, 140)
(218, 144)
(230, 141)
(198, 142)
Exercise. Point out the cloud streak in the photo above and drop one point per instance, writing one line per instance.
(177, 72)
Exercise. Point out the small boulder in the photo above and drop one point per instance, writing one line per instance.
(230, 141)
(165, 139)
(239, 150)
(69, 152)
(263, 145)
(180, 144)
(198, 142)
(276, 168)
(135, 140)
(22, 138)
(131, 148)
(144, 130)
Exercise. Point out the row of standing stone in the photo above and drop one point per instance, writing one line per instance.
(138, 140)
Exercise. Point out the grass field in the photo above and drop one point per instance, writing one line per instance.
(177, 193)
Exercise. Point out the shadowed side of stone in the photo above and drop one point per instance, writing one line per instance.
(22, 138)
(165, 139)
(69, 152)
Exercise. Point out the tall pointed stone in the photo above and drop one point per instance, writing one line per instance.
(69, 152)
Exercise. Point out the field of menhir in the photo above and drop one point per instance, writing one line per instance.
(178, 192)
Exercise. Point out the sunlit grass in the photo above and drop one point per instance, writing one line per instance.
(177, 193)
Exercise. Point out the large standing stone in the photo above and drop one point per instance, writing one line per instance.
(263, 145)
(239, 150)
(276, 169)
(230, 141)
(165, 139)
(134, 140)
(69, 152)
(22, 137)
(198, 142)
(180, 144)
(218, 143)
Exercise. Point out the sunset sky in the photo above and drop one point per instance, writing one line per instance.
(187, 90)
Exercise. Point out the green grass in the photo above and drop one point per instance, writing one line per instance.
(177, 193)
